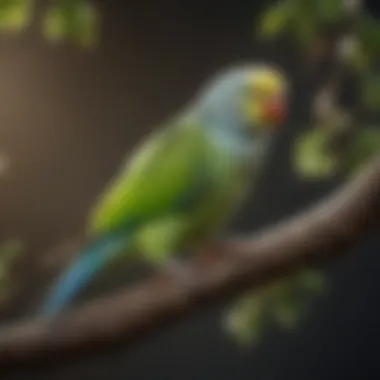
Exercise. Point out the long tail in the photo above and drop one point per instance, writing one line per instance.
(90, 261)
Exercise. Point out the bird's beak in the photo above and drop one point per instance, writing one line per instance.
(274, 112)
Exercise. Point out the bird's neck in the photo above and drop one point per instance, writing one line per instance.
(227, 131)
(235, 140)
(239, 145)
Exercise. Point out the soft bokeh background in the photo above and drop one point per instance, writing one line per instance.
(67, 117)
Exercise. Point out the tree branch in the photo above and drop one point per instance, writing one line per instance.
(319, 234)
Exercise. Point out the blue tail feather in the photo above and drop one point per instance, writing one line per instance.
(90, 261)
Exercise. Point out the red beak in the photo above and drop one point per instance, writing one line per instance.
(275, 112)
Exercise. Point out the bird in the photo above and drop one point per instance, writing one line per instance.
(183, 183)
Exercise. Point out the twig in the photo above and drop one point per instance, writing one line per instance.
(320, 234)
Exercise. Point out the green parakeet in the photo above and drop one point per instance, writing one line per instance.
(186, 181)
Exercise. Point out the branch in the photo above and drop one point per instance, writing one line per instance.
(319, 234)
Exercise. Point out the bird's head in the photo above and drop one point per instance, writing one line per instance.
(252, 97)
(265, 103)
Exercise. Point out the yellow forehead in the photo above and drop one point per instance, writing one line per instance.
(269, 81)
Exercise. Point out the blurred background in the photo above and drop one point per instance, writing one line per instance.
(68, 115)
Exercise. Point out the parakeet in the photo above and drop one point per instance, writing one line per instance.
(187, 180)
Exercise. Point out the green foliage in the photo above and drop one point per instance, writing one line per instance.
(289, 296)
(326, 11)
(73, 20)
(360, 59)
(10, 252)
(244, 321)
(63, 20)
(306, 20)
(276, 19)
(369, 36)
(15, 15)
(312, 158)
(367, 52)
(303, 18)
(371, 91)
(365, 146)
(324, 150)
(283, 302)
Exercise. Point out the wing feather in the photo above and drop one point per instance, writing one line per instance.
(168, 173)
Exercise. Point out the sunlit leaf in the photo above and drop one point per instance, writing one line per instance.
(371, 92)
(74, 20)
(244, 321)
(15, 15)
(54, 25)
(276, 19)
(312, 158)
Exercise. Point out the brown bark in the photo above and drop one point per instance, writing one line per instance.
(319, 234)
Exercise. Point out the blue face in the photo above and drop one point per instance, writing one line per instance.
(219, 109)
(220, 103)
(248, 100)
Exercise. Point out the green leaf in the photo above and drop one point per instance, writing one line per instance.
(304, 23)
(11, 250)
(15, 15)
(74, 20)
(276, 19)
(284, 301)
(369, 35)
(87, 25)
(365, 146)
(311, 280)
(244, 321)
(371, 91)
(312, 158)
(54, 25)
(311, 16)
(360, 60)
(329, 11)
(288, 298)
(286, 314)
(305, 31)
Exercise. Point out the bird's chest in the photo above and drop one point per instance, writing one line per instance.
(236, 160)
(235, 168)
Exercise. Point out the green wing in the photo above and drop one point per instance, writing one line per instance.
(165, 175)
